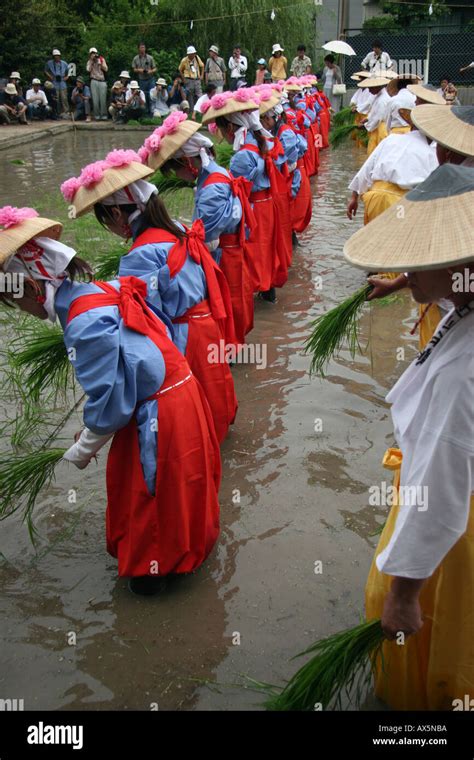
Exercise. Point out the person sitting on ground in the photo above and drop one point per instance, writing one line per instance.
(81, 100)
(261, 71)
(211, 90)
(117, 101)
(135, 103)
(159, 99)
(177, 94)
(37, 102)
(125, 79)
(12, 107)
(185, 107)
(52, 98)
(15, 79)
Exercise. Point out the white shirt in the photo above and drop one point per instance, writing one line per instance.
(433, 417)
(200, 102)
(392, 116)
(362, 99)
(128, 97)
(38, 98)
(237, 68)
(405, 160)
(377, 110)
(372, 63)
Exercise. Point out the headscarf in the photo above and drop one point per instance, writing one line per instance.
(138, 192)
(246, 120)
(43, 258)
(197, 145)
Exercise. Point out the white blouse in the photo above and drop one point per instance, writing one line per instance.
(433, 417)
(378, 110)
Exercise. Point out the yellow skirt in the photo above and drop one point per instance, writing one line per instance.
(376, 137)
(400, 130)
(359, 117)
(436, 665)
(378, 199)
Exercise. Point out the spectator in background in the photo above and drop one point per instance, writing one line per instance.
(277, 64)
(12, 107)
(451, 95)
(301, 65)
(191, 69)
(159, 98)
(117, 101)
(97, 68)
(81, 100)
(215, 71)
(331, 75)
(15, 79)
(143, 66)
(52, 98)
(185, 107)
(177, 93)
(211, 90)
(125, 79)
(377, 59)
(261, 69)
(135, 103)
(442, 86)
(37, 102)
(238, 66)
(57, 72)
(267, 78)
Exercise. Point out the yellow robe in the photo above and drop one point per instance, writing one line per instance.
(376, 137)
(436, 665)
(400, 130)
(378, 199)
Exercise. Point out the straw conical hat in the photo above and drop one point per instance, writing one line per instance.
(293, 88)
(267, 105)
(427, 93)
(172, 143)
(231, 106)
(374, 82)
(356, 77)
(429, 228)
(114, 179)
(361, 74)
(452, 127)
(12, 238)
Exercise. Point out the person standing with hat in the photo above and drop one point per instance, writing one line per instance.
(144, 68)
(277, 65)
(163, 466)
(81, 100)
(97, 68)
(12, 107)
(135, 103)
(191, 69)
(421, 583)
(261, 71)
(37, 101)
(57, 72)
(238, 66)
(215, 71)
(375, 121)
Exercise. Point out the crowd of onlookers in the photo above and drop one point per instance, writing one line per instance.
(139, 91)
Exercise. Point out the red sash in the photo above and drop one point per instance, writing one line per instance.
(192, 243)
(241, 189)
(269, 165)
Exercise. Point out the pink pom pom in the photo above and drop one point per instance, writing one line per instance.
(121, 158)
(143, 152)
(206, 106)
(218, 101)
(70, 187)
(213, 128)
(10, 215)
(242, 95)
(92, 173)
(172, 123)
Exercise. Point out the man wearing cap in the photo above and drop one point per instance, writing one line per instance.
(81, 100)
(97, 68)
(191, 69)
(117, 101)
(159, 98)
(15, 79)
(215, 71)
(143, 66)
(57, 72)
(261, 71)
(37, 102)
(277, 64)
(135, 103)
(238, 66)
(301, 65)
(12, 106)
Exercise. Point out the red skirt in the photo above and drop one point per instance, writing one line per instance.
(310, 155)
(324, 124)
(235, 268)
(285, 228)
(174, 530)
(262, 244)
(206, 340)
(302, 205)
(316, 140)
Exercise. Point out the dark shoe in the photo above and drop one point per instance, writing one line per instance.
(268, 295)
(147, 585)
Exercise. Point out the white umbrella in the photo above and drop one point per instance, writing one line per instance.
(338, 46)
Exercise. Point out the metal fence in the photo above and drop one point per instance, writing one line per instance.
(430, 52)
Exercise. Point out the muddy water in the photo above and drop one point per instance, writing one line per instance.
(292, 496)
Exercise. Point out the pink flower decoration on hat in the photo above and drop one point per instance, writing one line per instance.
(154, 141)
(213, 128)
(206, 106)
(10, 215)
(118, 158)
(70, 187)
(242, 95)
(172, 122)
(143, 152)
(92, 173)
(218, 101)
(277, 86)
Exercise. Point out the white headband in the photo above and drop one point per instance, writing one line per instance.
(138, 192)
(246, 120)
(197, 145)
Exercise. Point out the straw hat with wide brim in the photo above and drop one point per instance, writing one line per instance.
(356, 77)
(12, 238)
(374, 82)
(114, 179)
(429, 228)
(452, 127)
(428, 94)
(171, 143)
(267, 105)
(293, 88)
(231, 106)
(361, 74)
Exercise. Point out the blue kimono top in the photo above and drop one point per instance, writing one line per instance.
(216, 205)
(250, 165)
